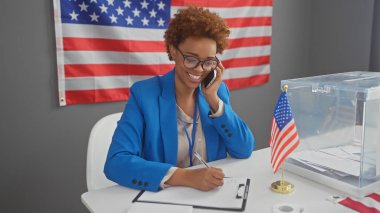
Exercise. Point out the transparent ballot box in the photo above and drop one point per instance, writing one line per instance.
(338, 122)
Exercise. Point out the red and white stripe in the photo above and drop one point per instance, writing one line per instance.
(368, 204)
(100, 63)
(282, 142)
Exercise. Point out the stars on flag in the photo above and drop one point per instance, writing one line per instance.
(161, 5)
(152, 13)
(113, 18)
(120, 11)
(145, 21)
(128, 13)
(160, 22)
(83, 7)
(127, 4)
(103, 9)
(136, 12)
(282, 111)
(110, 2)
(74, 16)
(129, 20)
(94, 17)
(144, 5)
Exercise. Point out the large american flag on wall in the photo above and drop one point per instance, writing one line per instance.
(104, 46)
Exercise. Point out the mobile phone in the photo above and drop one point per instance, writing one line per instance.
(210, 78)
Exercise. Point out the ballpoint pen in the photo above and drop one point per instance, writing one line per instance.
(200, 159)
(203, 161)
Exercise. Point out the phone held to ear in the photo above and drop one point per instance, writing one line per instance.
(210, 78)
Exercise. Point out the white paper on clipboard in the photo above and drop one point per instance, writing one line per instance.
(231, 196)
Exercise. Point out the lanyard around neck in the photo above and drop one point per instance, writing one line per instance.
(192, 140)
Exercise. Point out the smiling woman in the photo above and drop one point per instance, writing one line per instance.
(169, 118)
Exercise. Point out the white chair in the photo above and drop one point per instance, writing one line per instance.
(98, 144)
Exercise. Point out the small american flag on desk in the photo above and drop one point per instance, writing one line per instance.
(284, 136)
(104, 46)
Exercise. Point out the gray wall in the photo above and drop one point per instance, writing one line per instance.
(289, 59)
(340, 36)
(43, 146)
(375, 53)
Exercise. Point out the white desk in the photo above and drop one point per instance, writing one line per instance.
(310, 195)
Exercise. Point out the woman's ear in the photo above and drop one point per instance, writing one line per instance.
(172, 51)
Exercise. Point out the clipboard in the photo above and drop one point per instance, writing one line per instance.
(232, 196)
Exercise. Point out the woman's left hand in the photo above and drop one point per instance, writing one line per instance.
(211, 93)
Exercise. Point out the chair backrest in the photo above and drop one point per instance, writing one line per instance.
(98, 144)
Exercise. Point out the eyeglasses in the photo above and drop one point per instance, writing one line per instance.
(192, 62)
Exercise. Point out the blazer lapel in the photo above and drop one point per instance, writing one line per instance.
(210, 134)
(168, 119)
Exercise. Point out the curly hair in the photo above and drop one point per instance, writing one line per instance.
(196, 22)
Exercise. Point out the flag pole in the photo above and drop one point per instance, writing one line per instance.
(282, 173)
(282, 186)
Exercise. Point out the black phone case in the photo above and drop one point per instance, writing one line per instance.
(209, 79)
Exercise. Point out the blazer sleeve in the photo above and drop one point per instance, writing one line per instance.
(125, 164)
(237, 136)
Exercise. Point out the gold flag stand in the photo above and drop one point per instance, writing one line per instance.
(282, 186)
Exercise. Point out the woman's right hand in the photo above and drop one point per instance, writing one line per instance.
(204, 179)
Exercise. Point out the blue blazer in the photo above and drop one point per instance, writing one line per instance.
(145, 143)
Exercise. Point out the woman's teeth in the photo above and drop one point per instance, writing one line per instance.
(195, 77)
